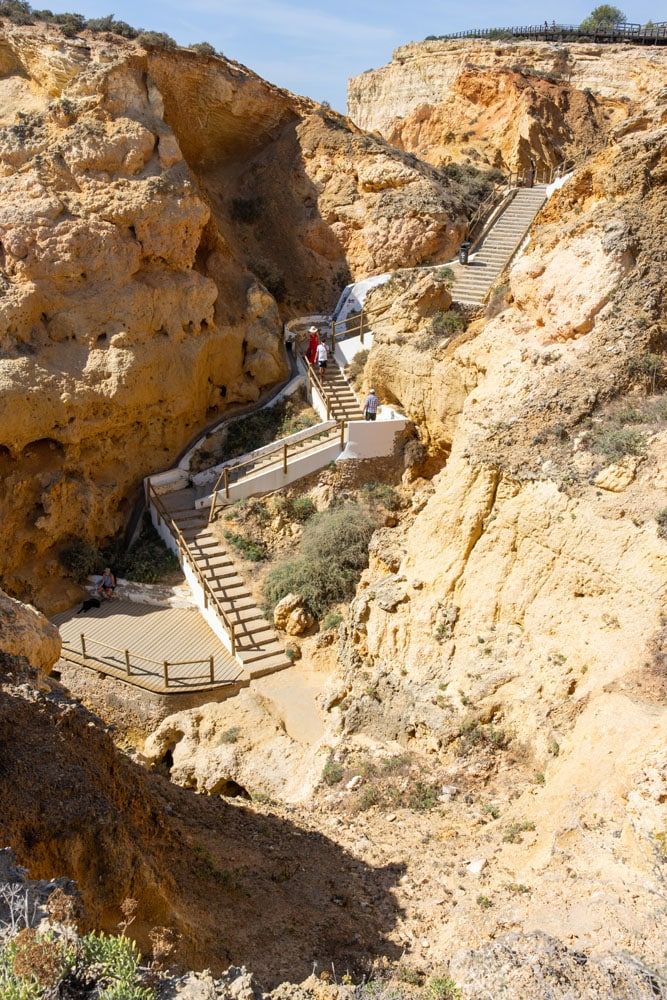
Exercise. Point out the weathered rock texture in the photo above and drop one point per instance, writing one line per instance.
(503, 103)
(534, 593)
(73, 805)
(156, 209)
(27, 633)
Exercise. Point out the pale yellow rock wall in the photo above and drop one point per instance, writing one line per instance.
(423, 73)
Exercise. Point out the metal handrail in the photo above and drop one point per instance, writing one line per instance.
(87, 641)
(209, 593)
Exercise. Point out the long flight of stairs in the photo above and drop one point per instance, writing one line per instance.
(472, 281)
(258, 648)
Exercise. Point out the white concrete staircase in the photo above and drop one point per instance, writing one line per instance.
(473, 281)
(344, 402)
(258, 649)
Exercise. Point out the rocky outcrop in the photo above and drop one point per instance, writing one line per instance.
(503, 103)
(26, 633)
(162, 213)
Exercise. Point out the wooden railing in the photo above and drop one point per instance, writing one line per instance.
(233, 473)
(210, 597)
(355, 325)
(129, 659)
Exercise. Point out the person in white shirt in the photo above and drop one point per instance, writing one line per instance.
(322, 356)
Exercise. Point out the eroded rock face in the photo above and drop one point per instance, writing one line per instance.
(533, 573)
(505, 104)
(145, 264)
(25, 632)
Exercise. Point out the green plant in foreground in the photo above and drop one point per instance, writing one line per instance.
(442, 988)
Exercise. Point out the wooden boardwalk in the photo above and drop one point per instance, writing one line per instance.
(122, 634)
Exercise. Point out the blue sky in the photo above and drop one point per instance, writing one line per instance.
(312, 48)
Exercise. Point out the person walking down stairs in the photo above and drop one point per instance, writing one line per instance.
(322, 356)
(371, 404)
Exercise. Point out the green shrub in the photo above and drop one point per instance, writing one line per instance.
(648, 367)
(448, 324)
(147, 561)
(445, 274)
(382, 493)
(203, 48)
(617, 442)
(301, 509)
(80, 558)
(331, 621)
(512, 834)
(661, 518)
(156, 40)
(332, 772)
(423, 796)
(254, 551)
(443, 988)
(231, 735)
(333, 552)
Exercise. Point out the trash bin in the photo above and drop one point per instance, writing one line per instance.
(464, 250)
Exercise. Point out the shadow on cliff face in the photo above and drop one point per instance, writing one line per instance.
(242, 888)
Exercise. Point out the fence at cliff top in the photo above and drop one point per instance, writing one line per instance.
(651, 33)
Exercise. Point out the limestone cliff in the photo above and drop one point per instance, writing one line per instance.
(161, 213)
(503, 103)
(524, 650)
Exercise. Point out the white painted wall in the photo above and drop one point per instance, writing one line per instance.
(210, 475)
(274, 478)
(346, 349)
(372, 438)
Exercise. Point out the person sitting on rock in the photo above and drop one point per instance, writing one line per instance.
(107, 584)
(371, 405)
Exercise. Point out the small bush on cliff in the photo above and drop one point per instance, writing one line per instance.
(617, 442)
(203, 49)
(355, 369)
(156, 40)
(334, 551)
(448, 323)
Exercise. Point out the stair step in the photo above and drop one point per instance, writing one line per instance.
(269, 649)
(268, 666)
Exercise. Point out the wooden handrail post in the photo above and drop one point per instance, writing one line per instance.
(83, 648)
(210, 662)
(232, 631)
(333, 336)
(342, 433)
(226, 479)
(165, 667)
(328, 400)
(127, 662)
(285, 459)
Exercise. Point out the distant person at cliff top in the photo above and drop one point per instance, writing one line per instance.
(107, 584)
(322, 356)
(313, 341)
(371, 404)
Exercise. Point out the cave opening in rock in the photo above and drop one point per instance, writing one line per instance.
(232, 790)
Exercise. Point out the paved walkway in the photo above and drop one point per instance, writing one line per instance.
(151, 635)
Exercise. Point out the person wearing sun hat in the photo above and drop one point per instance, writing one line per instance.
(313, 341)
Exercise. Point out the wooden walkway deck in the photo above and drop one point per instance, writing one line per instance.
(143, 636)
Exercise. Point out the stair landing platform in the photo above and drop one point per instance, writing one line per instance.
(151, 635)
